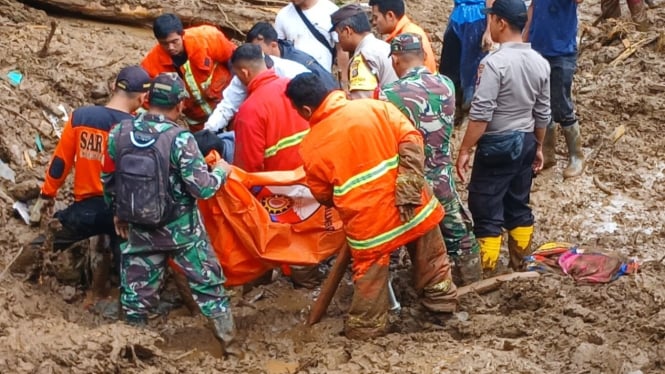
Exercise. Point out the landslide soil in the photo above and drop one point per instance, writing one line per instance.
(538, 326)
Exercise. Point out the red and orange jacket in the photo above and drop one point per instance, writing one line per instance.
(351, 158)
(82, 146)
(206, 72)
(268, 128)
(405, 25)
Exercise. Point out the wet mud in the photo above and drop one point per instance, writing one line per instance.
(545, 325)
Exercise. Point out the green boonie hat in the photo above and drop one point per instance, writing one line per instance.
(167, 90)
(407, 42)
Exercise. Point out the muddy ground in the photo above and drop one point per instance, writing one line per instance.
(542, 326)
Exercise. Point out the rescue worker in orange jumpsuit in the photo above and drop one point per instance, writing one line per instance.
(82, 147)
(366, 159)
(200, 55)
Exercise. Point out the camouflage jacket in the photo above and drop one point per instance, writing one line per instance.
(190, 181)
(428, 100)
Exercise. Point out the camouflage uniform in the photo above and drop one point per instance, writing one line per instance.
(429, 101)
(184, 240)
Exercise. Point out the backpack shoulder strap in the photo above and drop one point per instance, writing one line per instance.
(317, 34)
(125, 128)
(166, 140)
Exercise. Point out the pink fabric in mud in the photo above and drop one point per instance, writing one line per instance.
(594, 267)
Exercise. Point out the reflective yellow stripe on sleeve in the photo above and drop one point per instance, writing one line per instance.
(397, 231)
(367, 176)
(194, 87)
(289, 141)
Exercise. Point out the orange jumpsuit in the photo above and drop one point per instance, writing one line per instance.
(405, 25)
(352, 158)
(206, 72)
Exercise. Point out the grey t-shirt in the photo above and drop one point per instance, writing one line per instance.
(513, 90)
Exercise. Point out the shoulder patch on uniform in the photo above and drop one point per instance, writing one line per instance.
(481, 67)
(353, 69)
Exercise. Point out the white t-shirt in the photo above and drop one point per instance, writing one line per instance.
(290, 26)
(236, 93)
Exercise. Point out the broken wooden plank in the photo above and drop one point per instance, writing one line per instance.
(632, 49)
(491, 284)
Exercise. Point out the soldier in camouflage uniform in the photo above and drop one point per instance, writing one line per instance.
(183, 240)
(428, 100)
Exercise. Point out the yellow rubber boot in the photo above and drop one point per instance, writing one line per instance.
(490, 247)
(519, 245)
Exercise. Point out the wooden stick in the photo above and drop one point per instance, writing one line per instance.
(2, 275)
(44, 51)
(491, 284)
(330, 285)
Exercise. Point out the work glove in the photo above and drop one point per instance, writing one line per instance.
(408, 189)
(410, 179)
(43, 206)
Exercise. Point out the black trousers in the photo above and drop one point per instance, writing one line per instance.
(85, 219)
(499, 193)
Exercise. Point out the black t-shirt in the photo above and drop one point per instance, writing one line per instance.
(179, 60)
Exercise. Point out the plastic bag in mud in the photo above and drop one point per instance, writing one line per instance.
(584, 266)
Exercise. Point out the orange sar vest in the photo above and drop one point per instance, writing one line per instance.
(405, 25)
(82, 147)
(350, 158)
(205, 73)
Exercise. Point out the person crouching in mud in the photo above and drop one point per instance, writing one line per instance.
(366, 159)
(155, 165)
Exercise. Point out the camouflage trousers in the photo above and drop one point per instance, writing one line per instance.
(142, 272)
(457, 225)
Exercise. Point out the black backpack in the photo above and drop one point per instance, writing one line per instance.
(144, 195)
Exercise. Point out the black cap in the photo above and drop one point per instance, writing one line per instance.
(513, 11)
(167, 90)
(345, 12)
(133, 79)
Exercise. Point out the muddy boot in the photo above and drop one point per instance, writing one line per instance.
(368, 314)
(638, 12)
(549, 146)
(467, 269)
(575, 155)
(224, 330)
(306, 276)
(185, 293)
(441, 297)
(490, 248)
(433, 272)
(610, 9)
(134, 319)
(519, 246)
(100, 268)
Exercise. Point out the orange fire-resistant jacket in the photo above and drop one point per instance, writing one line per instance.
(82, 146)
(351, 159)
(206, 72)
(405, 25)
